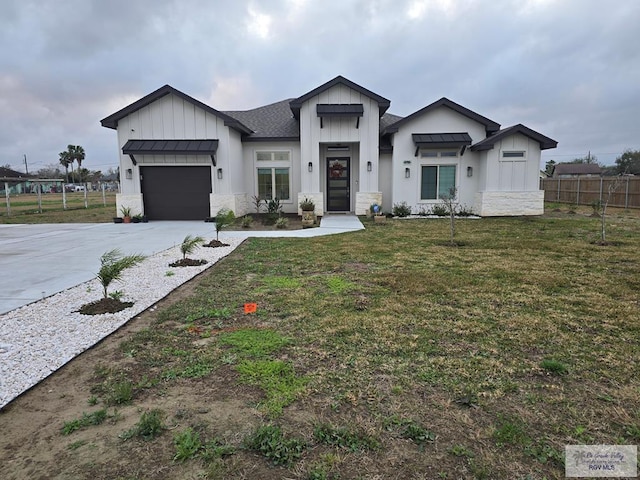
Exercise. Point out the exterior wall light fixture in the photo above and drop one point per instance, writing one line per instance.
(219, 174)
(369, 166)
(469, 171)
(129, 174)
(310, 167)
(407, 172)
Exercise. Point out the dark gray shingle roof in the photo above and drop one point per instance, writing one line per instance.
(274, 121)
(489, 142)
(576, 169)
(171, 147)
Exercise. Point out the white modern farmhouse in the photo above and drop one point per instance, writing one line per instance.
(183, 160)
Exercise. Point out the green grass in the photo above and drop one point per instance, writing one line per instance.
(87, 419)
(151, 425)
(494, 354)
(24, 209)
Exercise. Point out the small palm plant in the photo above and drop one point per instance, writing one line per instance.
(189, 244)
(113, 263)
(224, 218)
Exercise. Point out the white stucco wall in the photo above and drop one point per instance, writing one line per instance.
(249, 171)
(440, 120)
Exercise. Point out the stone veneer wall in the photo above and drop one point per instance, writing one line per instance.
(364, 200)
(238, 203)
(131, 200)
(500, 204)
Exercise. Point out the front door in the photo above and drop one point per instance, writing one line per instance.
(338, 183)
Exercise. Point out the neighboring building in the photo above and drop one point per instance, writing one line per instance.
(567, 170)
(182, 159)
(17, 182)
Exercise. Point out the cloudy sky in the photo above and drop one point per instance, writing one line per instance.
(569, 69)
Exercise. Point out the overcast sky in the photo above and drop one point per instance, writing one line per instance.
(569, 69)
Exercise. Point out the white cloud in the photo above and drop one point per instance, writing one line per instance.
(258, 24)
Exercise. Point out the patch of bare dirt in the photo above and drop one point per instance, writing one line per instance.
(188, 262)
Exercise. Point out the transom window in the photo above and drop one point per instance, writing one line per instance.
(519, 154)
(437, 181)
(276, 156)
(434, 154)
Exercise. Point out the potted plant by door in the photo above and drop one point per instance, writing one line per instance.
(308, 207)
(126, 214)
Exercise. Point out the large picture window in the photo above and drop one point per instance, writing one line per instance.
(273, 183)
(274, 174)
(437, 181)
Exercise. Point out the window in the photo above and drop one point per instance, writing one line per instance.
(273, 183)
(434, 154)
(278, 156)
(512, 154)
(273, 174)
(437, 181)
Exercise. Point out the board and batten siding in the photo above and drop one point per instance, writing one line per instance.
(172, 117)
(340, 130)
(513, 174)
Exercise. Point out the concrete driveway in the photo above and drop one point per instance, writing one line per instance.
(40, 260)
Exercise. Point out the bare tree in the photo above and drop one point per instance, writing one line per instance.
(612, 187)
(450, 203)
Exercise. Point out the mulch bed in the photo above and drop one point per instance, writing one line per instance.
(104, 305)
(187, 262)
(215, 243)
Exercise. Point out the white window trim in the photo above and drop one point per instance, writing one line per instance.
(273, 164)
(438, 153)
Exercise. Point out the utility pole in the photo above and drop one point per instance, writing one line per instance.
(26, 168)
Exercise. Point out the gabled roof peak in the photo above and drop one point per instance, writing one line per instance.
(296, 104)
(112, 120)
(489, 125)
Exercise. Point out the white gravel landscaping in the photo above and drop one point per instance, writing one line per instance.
(39, 338)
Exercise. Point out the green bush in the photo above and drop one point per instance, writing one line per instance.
(270, 442)
(401, 209)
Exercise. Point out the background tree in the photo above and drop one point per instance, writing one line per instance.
(77, 154)
(629, 162)
(586, 159)
(65, 161)
(50, 171)
(548, 167)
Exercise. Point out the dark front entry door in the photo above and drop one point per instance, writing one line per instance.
(176, 193)
(338, 182)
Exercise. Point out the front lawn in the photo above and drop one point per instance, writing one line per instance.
(384, 353)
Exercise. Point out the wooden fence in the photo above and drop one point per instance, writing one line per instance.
(587, 190)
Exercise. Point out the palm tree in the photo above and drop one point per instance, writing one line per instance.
(112, 265)
(189, 244)
(74, 153)
(65, 161)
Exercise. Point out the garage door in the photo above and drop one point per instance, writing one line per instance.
(176, 193)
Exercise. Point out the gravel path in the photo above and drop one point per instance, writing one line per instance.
(39, 338)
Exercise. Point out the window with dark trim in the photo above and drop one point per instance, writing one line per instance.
(437, 181)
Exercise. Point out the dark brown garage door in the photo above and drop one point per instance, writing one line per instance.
(176, 193)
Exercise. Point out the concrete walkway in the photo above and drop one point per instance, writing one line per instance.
(40, 260)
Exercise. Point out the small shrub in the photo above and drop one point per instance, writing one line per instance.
(282, 222)
(270, 442)
(439, 210)
(187, 444)
(554, 366)
(246, 221)
(401, 209)
(423, 211)
(307, 205)
(464, 211)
